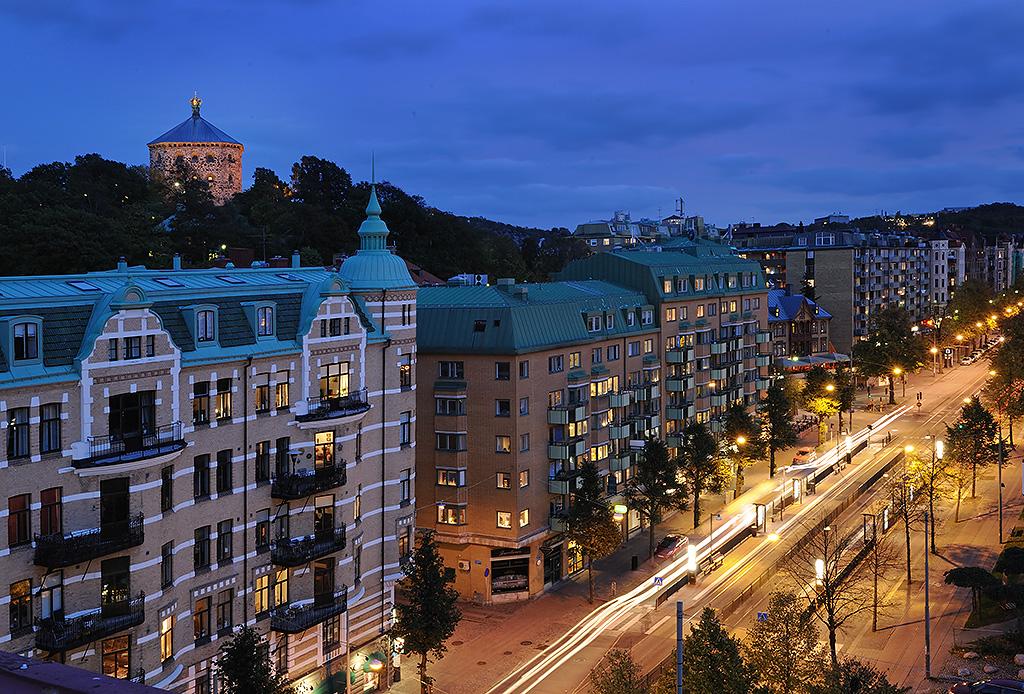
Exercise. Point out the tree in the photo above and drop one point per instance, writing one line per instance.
(969, 304)
(973, 577)
(842, 589)
(784, 650)
(712, 662)
(618, 673)
(973, 440)
(820, 397)
(654, 487)
(908, 503)
(320, 182)
(776, 413)
(854, 677)
(742, 434)
(846, 393)
(880, 560)
(891, 345)
(698, 464)
(429, 615)
(932, 477)
(590, 525)
(243, 666)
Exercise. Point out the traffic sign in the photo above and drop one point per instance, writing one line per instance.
(762, 616)
(659, 580)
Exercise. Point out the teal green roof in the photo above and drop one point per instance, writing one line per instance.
(514, 319)
(374, 266)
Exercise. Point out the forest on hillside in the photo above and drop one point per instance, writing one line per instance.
(79, 216)
(988, 221)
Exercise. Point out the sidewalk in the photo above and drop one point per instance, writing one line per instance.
(492, 640)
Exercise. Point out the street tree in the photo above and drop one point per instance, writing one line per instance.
(742, 433)
(776, 413)
(712, 660)
(618, 673)
(784, 650)
(881, 558)
(428, 616)
(654, 487)
(932, 476)
(590, 525)
(968, 305)
(835, 585)
(854, 677)
(973, 440)
(973, 577)
(820, 397)
(699, 464)
(890, 348)
(846, 393)
(243, 666)
(908, 503)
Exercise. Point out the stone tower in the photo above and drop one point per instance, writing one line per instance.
(209, 151)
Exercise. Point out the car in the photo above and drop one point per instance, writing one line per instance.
(804, 455)
(988, 687)
(671, 546)
(966, 361)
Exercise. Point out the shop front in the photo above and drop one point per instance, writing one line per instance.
(510, 574)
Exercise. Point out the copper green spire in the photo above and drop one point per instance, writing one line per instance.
(373, 232)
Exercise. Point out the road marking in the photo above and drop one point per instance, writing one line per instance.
(658, 624)
(625, 626)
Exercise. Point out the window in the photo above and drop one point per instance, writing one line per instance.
(405, 371)
(323, 579)
(712, 308)
(281, 587)
(323, 449)
(167, 637)
(670, 315)
(524, 442)
(357, 504)
(205, 326)
(524, 369)
(51, 512)
(698, 284)
(502, 371)
(524, 518)
(450, 441)
(451, 514)
(201, 476)
(405, 544)
(19, 520)
(699, 312)
(116, 657)
(150, 345)
(556, 364)
(17, 433)
(224, 619)
(201, 402)
(263, 394)
(612, 352)
(524, 478)
(167, 564)
(504, 519)
(21, 606)
(113, 352)
(594, 324)
(648, 346)
(261, 594)
(201, 619)
(447, 477)
(132, 347)
(405, 428)
(502, 408)
(630, 318)
(595, 355)
(524, 406)
(262, 461)
(281, 446)
(479, 326)
(282, 396)
(223, 398)
(224, 542)
(504, 480)
(555, 398)
(574, 360)
(666, 286)
(201, 549)
(502, 444)
(166, 488)
(49, 428)
(265, 321)
(609, 322)
(450, 407)
(26, 341)
(224, 471)
(405, 486)
(633, 349)
(450, 369)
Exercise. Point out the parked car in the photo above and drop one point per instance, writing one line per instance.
(804, 455)
(966, 361)
(988, 687)
(671, 546)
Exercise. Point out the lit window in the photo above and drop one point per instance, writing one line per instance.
(167, 637)
(205, 326)
(504, 519)
(524, 518)
(265, 321)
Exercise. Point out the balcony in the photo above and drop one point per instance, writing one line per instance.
(301, 550)
(563, 450)
(719, 374)
(620, 431)
(678, 385)
(763, 360)
(59, 550)
(679, 412)
(674, 440)
(564, 414)
(295, 620)
(680, 355)
(303, 483)
(621, 461)
(162, 445)
(647, 391)
(719, 400)
(719, 347)
(652, 421)
(55, 635)
(764, 383)
(565, 482)
(622, 399)
(557, 520)
(335, 410)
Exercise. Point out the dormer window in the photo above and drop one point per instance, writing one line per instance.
(206, 327)
(26, 341)
(265, 321)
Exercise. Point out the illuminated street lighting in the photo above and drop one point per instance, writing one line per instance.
(830, 387)
(908, 448)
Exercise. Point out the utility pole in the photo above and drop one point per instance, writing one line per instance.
(679, 647)
(1000, 482)
(927, 608)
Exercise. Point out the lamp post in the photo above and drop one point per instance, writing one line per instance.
(935, 359)
(831, 388)
(927, 611)
(896, 371)
(999, 469)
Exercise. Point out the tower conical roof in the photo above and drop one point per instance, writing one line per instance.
(195, 129)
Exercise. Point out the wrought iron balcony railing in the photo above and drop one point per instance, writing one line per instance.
(113, 449)
(67, 549)
(62, 634)
(302, 483)
(294, 620)
(299, 551)
(334, 407)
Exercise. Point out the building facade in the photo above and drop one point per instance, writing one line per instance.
(522, 384)
(799, 327)
(204, 149)
(192, 450)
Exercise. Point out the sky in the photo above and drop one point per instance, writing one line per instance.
(550, 113)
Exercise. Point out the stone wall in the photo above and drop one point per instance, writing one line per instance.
(220, 163)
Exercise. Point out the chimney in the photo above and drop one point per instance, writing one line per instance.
(122, 264)
(296, 260)
(505, 284)
(176, 262)
(521, 291)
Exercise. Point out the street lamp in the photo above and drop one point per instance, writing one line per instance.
(897, 371)
(935, 358)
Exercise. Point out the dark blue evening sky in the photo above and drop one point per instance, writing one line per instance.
(550, 113)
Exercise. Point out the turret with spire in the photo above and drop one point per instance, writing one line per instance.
(374, 266)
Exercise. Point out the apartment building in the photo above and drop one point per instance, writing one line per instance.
(521, 384)
(192, 450)
(947, 271)
(799, 328)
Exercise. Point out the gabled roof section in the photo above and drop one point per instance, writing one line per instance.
(786, 307)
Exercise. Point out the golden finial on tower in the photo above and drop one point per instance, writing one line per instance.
(196, 103)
